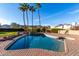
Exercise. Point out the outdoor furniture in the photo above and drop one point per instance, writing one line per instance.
(61, 38)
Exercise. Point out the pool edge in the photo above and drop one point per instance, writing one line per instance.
(14, 40)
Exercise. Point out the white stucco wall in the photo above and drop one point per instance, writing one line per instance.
(72, 32)
(61, 31)
(67, 27)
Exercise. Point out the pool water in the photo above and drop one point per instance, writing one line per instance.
(37, 41)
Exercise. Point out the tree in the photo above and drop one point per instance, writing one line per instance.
(32, 9)
(23, 9)
(27, 8)
(38, 6)
(15, 25)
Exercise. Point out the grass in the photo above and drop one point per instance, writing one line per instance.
(3, 34)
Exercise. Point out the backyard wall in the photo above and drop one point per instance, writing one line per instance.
(72, 32)
(61, 31)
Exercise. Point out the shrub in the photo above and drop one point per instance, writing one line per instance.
(55, 30)
(10, 29)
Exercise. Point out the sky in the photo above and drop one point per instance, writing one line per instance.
(51, 14)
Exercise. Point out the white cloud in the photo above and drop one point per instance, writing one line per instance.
(53, 15)
(74, 12)
(4, 21)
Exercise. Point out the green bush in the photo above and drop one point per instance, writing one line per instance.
(55, 30)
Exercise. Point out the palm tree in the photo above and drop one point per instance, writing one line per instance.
(32, 9)
(27, 8)
(38, 6)
(23, 9)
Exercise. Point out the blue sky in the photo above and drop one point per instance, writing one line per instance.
(51, 13)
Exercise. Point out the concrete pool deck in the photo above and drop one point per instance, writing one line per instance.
(71, 45)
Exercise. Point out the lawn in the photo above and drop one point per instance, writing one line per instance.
(3, 34)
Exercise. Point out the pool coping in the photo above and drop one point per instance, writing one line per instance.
(14, 40)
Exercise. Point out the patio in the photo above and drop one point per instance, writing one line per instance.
(71, 45)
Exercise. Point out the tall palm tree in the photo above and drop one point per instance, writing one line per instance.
(38, 6)
(23, 9)
(32, 9)
(27, 8)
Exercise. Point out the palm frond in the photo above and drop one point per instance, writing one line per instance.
(38, 5)
(32, 8)
(24, 6)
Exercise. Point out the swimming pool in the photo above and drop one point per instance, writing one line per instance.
(37, 41)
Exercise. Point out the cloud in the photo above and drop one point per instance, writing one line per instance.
(51, 16)
(4, 21)
(74, 12)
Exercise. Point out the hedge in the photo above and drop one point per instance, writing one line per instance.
(10, 29)
(55, 30)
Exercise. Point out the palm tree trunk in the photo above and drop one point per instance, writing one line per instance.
(24, 19)
(32, 22)
(39, 18)
(27, 19)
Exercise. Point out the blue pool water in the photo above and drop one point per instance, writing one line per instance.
(37, 41)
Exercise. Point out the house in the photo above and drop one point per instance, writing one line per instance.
(5, 26)
(60, 26)
(67, 26)
(64, 26)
